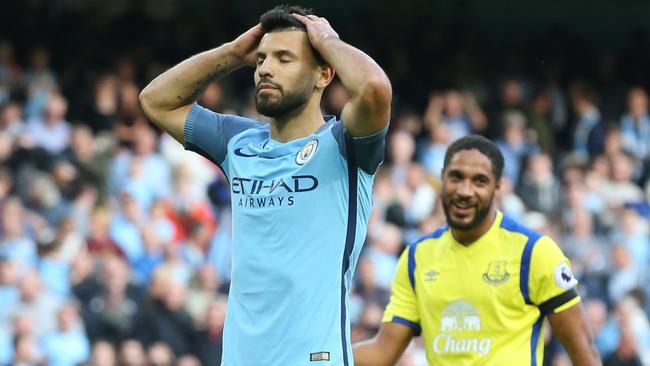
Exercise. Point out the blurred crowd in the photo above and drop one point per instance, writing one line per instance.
(115, 242)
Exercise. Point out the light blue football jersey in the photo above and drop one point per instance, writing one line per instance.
(300, 215)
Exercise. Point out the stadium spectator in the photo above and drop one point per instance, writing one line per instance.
(101, 114)
(36, 302)
(164, 320)
(540, 189)
(67, 345)
(110, 302)
(202, 292)
(160, 354)
(50, 131)
(511, 98)
(515, 144)
(635, 124)
(432, 148)
(208, 344)
(589, 135)
(539, 117)
(132, 353)
(102, 353)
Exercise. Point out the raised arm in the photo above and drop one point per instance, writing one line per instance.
(385, 348)
(571, 328)
(370, 92)
(168, 98)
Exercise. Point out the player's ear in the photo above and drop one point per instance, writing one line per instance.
(325, 75)
(498, 185)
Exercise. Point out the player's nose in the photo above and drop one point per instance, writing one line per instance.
(265, 69)
(464, 189)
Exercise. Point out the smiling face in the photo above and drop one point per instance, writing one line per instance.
(286, 73)
(468, 187)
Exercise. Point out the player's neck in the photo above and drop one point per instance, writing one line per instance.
(300, 122)
(468, 237)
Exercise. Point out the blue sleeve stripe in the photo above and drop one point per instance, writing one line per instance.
(524, 274)
(349, 242)
(412, 248)
(416, 327)
(525, 271)
(411, 263)
(511, 225)
(534, 338)
(434, 235)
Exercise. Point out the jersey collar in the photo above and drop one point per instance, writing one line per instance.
(485, 237)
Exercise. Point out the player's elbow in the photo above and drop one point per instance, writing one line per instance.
(377, 91)
(148, 103)
(146, 99)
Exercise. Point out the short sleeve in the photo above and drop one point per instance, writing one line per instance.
(367, 151)
(402, 307)
(551, 282)
(208, 133)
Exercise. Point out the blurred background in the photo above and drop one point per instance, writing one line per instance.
(115, 243)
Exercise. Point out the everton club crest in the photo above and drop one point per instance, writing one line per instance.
(496, 273)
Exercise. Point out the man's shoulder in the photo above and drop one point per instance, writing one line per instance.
(430, 238)
(510, 225)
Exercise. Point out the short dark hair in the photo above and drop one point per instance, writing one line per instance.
(280, 17)
(483, 145)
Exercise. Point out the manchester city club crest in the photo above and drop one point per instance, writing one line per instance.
(306, 152)
(496, 273)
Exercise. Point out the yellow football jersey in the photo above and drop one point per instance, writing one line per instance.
(483, 304)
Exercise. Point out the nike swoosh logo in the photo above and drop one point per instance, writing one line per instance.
(238, 152)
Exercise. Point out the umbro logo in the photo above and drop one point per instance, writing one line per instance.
(431, 275)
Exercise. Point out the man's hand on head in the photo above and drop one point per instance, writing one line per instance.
(244, 47)
(319, 29)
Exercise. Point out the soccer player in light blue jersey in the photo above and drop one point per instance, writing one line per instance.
(301, 185)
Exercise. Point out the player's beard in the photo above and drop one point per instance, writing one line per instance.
(480, 215)
(270, 106)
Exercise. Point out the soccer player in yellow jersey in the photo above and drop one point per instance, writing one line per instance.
(479, 288)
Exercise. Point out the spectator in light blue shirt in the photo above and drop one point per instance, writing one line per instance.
(589, 132)
(51, 131)
(67, 345)
(125, 228)
(635, 124)
(154, 172)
